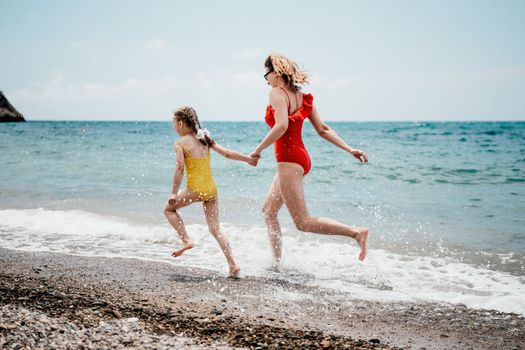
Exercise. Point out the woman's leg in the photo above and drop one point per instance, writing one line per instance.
(184, 198)
(291, 182)
(211, 210)
(273, 203)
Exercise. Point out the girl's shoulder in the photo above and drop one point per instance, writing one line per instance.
(191, 145)
(182, 143)
(185, 140)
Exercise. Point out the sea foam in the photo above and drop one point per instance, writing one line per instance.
(328, 262)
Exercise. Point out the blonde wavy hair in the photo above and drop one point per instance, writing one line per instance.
(287, 69)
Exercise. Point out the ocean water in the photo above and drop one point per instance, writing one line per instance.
(445, 204)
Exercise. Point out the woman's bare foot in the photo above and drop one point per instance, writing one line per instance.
(185, 246)
(361, 238)
(234, 272)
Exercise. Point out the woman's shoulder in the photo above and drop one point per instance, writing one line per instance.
(276, 92)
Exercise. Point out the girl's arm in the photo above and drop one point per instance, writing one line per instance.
(229, 153)
(278, 102)
(330, 135)
(179, 170)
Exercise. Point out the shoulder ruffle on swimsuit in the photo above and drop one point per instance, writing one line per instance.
(290, 147)
(198, 175)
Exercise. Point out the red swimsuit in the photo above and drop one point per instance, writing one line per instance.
(290, 147)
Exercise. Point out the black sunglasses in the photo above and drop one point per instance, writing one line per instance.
(266, 75)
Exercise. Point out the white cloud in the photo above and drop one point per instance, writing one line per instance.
(59, 88)
(133, 98)
(395, 95)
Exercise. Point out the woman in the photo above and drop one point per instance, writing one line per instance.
(285, 115)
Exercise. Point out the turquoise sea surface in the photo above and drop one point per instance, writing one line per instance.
(444, 201)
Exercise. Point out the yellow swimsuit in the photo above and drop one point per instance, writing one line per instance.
(198, 175)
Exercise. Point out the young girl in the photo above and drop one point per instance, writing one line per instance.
(193, 154)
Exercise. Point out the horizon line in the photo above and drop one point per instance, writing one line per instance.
(262, 121)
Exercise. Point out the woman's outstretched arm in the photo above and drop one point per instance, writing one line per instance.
(230, 154)
(278, 102)
(331, 136)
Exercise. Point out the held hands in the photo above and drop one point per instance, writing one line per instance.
(250, 159)
(254, 158)
(360, 155)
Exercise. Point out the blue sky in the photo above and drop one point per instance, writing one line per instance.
(369, 60)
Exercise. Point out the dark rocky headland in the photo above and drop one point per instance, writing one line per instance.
(8, 112)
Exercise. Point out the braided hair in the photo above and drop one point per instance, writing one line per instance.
(189, 117)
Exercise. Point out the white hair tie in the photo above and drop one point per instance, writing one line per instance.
(202, 133)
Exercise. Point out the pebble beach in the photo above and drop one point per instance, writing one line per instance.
(60, 301)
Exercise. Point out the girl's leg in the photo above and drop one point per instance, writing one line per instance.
(273, 203)
(211, 210)
(184, 198)
(291, 182)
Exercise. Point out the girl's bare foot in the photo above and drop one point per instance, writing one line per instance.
(361, 238)
(185, 246)
(276, 267)
(234, 272)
